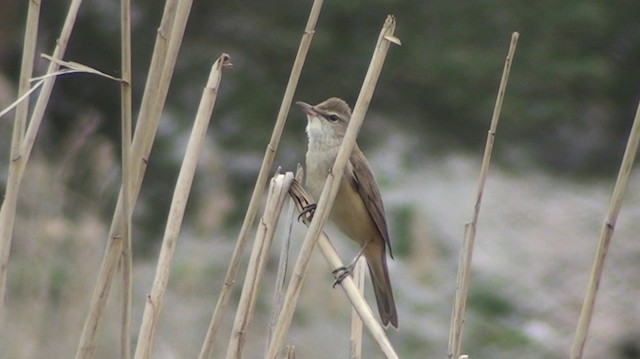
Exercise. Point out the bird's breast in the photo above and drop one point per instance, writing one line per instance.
(319, 163)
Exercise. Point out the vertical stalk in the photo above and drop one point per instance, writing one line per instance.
(356, 322)
(278, 191)
(283, 262)
(163, 61)
(605, 238)
(125, 114)
(154, 301)
(267, 162)
(21, 149)
(466, 252)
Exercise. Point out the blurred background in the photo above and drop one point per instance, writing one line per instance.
(569, 106)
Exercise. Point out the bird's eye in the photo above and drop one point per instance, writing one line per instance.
(333, 118)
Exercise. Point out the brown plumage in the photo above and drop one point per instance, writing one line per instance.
(358, 210)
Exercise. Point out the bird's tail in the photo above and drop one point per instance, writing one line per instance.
(377, 261)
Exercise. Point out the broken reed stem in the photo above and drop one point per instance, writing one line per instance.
(153, 305)
(302, 200)
(278, 192)
(466, 253)
(267, 162)
(356, 322)
(281, 275)
(283, 262)
(606, 234)
(331, 188)
(163, 61)
(22, 141)
(125, 114)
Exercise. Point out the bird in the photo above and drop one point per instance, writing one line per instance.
(358, 211)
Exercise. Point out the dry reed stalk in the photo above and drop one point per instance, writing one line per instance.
(74, 67)
(153, 304)
(331, 187)
(278, 192)
(466, 252)
(125, 114)
(283, 261)
(26, 71)
(356, 322)
(302, 200)
(290, 352)
(166, 48)
(20, 99)
(22, 141)
(606, 234)
(267, 162)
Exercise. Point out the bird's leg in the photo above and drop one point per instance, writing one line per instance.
(342, 272)
(308, 211)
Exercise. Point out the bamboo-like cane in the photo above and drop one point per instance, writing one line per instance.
(22, 142)
(356, 322)
(606, 234)
(153, 305)
(163, 61)
(331, 187)
(267, 162)
(466, 252)
(278, 192)
(302, 200)
(127, 179)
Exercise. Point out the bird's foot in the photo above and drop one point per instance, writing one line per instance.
(308, 212)
(342, 273)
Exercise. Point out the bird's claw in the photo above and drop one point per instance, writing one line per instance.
(308, 211)
(342, 273)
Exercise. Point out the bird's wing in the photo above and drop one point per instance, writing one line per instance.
(365, 185)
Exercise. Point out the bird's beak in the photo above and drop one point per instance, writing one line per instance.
(308, 109)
